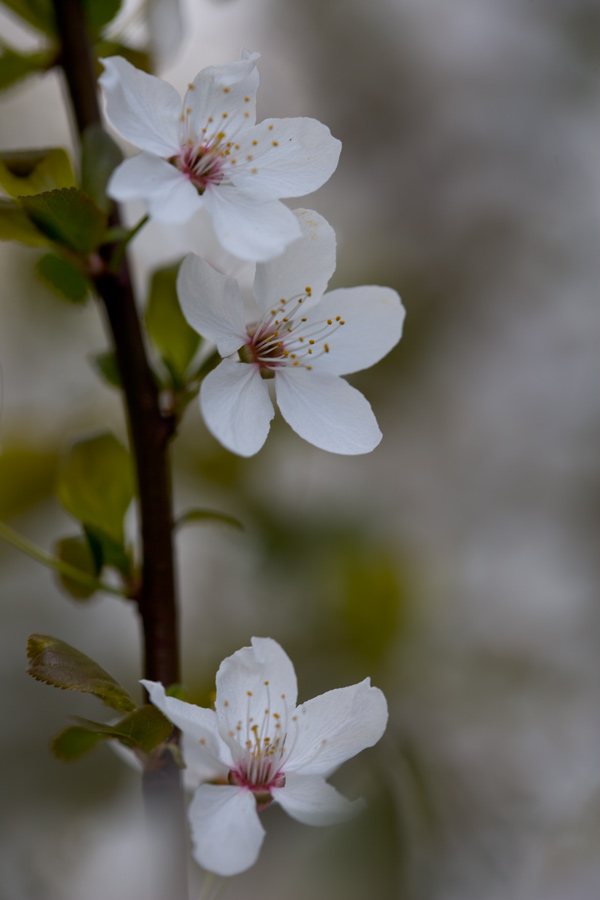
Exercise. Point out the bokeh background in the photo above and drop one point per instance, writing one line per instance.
(457, 564)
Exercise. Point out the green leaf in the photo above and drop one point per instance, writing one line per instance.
(208, 515)
(27, 475)
(62, 666)
(63, 277)
(75, 551)
(16, 226)
(99, 13)
(109, 552)
(25, 172)
(177, 690)
(38, 13)
(176, 341)
(97, 485)
(99, 156)
(68, 217)
(15, 66)
(107, 367)
(138, 58)
(145, 728)
(73, 742)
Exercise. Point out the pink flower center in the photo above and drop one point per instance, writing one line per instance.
(201, 163)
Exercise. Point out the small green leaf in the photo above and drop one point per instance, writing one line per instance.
(62, 666)
(25, 172)
(107, 367)
(99, 13)
(138, 58)
(16, 226)
(63, 277)
(73, 742)
(179, 691)
(68, 217)
(208, 515)
(76, 552)
(15, 66)
(38, 13)
(144, 728)
(97, 485)
(99, 156)
(172, 336)
(109, 551)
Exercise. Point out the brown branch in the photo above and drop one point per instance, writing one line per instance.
(150, 432)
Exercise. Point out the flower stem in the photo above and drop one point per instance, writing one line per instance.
(63, 568)
(150, 433)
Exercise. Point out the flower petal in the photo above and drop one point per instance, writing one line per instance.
(326, 411)
(309, 799)
(212, 304)
(225, 94)
(144, 109)
(236, 406)
(247, 228)
(373, 319)
(288, 158)
(170, 197)
(307, 263)
(199, 764)
(226, 831)
(252, 680)
(335, 727)
(198, 723)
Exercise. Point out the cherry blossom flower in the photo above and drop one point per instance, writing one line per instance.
(208, 152)
(301, 339)
(257, 747)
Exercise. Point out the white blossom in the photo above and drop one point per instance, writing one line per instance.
(258, 747)
(208, 152)
(301, 340)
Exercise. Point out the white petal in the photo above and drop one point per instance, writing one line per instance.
(199, 765)
(227, 95)
(309, 799)
(212, 304)
(169, 195)
(335, 727)
(326, 411)
(143, 109)
(247, 228)
(309, 262)
(252, 680)
(236, 406)
(292, 157)
(226, 831)
(373, 318)
(200, 724)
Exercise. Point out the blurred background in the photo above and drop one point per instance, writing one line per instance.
(456, 565)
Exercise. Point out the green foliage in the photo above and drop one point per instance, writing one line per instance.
(107, 367)
(76, 551)
(208, 515)
(38, 13)
(15, 66)
(99, 156)
(62, 666)
(175, 340)
(27, 475)
(144, 729)
(73, 742)
(68, 217)
(63, 277)
(107, 551)
(16, 226)
(372, 600)
(25, 172)
(96, 486)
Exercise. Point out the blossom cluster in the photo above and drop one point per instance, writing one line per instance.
(293, 341)
(207, 152)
